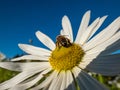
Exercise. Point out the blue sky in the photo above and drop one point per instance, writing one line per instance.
(20, 19)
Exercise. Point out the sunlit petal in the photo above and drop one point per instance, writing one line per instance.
(63, 85)
(34, 50)
(101, 21)
(88, 32)
(92, 29)
(46, 82)
(31, 57)
(56, 83)
(16, 66)
(104, 35)
(67, 28)
(70, 84)
(27, 85)
(45, 40)
(105, 44)
(83, 26)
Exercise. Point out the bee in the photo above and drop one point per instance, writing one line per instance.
(62, 41)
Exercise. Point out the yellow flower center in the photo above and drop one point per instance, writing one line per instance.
(65, 58)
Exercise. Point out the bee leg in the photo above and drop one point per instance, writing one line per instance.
(58, 44)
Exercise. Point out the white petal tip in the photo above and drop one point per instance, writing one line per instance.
(37, 32)
(21, 46)
(88, 12)
(106, 16)
(65, 18)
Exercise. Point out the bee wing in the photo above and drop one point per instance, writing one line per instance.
(62, 32)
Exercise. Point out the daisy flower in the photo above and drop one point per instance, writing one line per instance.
(65, 65)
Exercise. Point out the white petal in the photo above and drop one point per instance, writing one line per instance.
(67, 28)
(46, 82)
(83, 26)
(45, 40)
(76, 71)
(34, 50)
(107, 65)
(10, 66)
(70, 84)
(63, 85)
(98, 25)
(59, 81)
(104, 35)
(56, 83)
(23, 66)
(32, 65)
(85, 36)
(19, 78)
(31, 57)
(30, 83)
(105, 44)
(86, 82)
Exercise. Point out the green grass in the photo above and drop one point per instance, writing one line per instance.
(6, 74)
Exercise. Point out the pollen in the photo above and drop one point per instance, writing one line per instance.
(66, 58)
